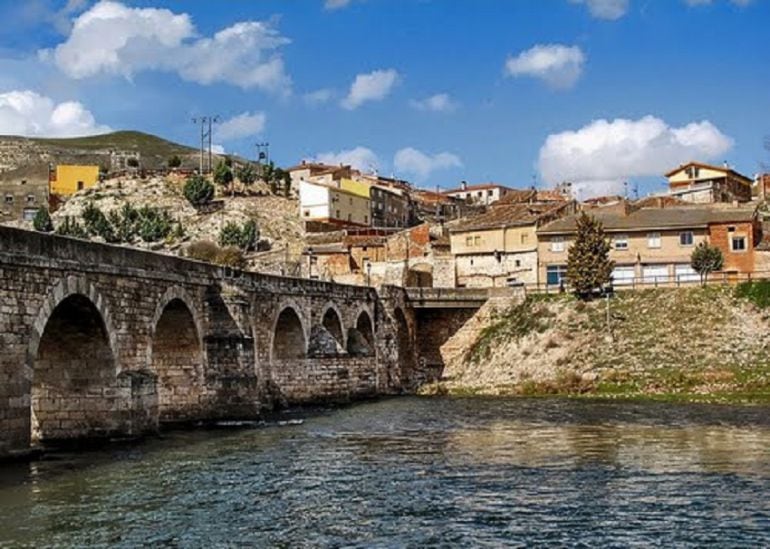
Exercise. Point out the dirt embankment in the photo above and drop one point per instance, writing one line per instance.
(699, 344)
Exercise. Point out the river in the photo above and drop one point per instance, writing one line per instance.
(414, 472)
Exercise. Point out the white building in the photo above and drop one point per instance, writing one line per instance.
(482, 194)
(322, 203)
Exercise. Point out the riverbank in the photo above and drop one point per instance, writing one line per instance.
(693, 344)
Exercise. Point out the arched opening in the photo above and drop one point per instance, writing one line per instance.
(361, 337)
(73, 374)
(331, 321)
(365, 328)
(289, 337)
(420, 276)
(177, 360)
(405, 351)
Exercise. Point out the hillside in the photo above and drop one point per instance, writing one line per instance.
(20, 151)
(281, 232)
(698, 343)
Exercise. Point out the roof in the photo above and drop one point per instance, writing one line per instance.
(708, 167)
(654, 218)
(478, 187)
(508, 215)
(314, 166)
(518, 196)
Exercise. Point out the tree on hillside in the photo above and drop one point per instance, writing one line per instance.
(42, 221)
(132, 162)
(174, 162)
(705, 260)
(246, 174)
(588, 263)
(269, 176)
(198, 191)
(286, 184)
(223, 175)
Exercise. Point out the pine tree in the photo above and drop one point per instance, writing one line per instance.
(588, 263)
(42, 221)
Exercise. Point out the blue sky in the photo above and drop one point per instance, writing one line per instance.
(436, 91)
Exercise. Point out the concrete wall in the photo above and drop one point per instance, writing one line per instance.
(99, 340)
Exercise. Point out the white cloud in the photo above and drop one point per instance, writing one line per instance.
(360, 158)
(605, 9)
(319, 97)
(112, 38)
(557, 65)
(27, 113)
(374, 86)
(740, 3)
(598, 157)
(421, 165)
(441, 102)
(218, 149)
(242, 125)
(336, 4)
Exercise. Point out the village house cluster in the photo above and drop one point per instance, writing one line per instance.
(366, 229)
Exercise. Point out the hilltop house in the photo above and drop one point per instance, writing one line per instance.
(23, 190)
(323, 206)
(703, 183)
(69, 179)
(654, 245)
(499, 247)
(483, 194)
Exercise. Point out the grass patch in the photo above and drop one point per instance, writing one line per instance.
(757, 292)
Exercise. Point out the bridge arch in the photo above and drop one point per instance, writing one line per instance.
(361, 335)
(332, 321)
(177, 356)
(289, 336)
(72, 364)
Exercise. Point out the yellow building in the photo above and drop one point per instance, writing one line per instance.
(70, 179)
(358, 188)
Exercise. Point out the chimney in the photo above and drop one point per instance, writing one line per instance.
(464, 185)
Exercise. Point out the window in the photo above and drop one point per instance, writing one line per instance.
(477, 241)
(621, 242)
(469, 241)
(29, 214)
(80, 185)
(31, 198)
(517, 263)
(738, 243)
(653, 240)
(524, 238)
(490, 192)
(685, 238)
(307, 213)
(9, 199)
(350, 217)
(557, 244)
(366, 221)
(23, 181)
(338, 214)
(555, 274)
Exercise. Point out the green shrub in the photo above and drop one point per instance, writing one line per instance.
(71, 227)
(97, 224)
(246, 174)
(42, 221)
(154, 224)
(243, 237)
(205, 250)
(198, 191)
(758, 292)
(174, 161)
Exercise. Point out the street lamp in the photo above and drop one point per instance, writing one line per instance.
(368, 271)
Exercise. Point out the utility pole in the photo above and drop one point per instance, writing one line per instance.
(263, 153)
(206, 124)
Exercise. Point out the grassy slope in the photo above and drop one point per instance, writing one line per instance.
(146, 144)
(708, 344)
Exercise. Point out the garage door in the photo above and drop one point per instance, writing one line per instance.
(655, 274)
(685, 273)
(623, 275)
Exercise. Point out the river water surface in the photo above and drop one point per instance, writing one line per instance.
(415, 472)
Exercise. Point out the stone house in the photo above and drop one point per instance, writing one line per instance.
(654, 245)
(703, 183)
(325, 204)
(22, 191)
(499, 247)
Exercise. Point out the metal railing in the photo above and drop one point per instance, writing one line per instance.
(655, 281)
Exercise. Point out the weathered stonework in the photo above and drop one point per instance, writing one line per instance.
(100, 340)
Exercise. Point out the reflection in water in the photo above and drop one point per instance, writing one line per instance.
(416, 472)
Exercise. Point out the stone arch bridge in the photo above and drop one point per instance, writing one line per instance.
(100, 341)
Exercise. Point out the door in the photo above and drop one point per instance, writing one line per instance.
(623, 275)
(655, 274)
(685, 273)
